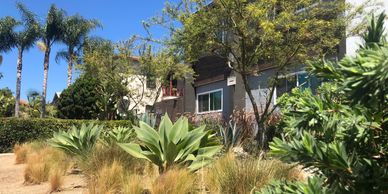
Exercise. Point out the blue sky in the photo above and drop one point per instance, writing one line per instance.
(120, 18)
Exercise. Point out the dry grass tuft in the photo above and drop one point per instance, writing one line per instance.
(174, 181)
(109, 179)
(36, 170)
(229, 175)
(56, 179)
(133, 185)
(21, 152)
(41, 162)
(105, 155)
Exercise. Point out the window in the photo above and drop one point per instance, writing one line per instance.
(209, 101)
(298, 79)
(150, 82)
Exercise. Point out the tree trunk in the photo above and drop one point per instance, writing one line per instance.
(70, 69)
(45, 77)
(18, 80)
(260, 128)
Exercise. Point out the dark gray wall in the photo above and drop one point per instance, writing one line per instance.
(260, 86)
(227, 95)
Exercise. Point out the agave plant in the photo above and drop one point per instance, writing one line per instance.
(148, 118)
(118, 135)
(77, 142)
(173, 144)
(231, 135)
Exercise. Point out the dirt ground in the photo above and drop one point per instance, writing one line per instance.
(11, 180)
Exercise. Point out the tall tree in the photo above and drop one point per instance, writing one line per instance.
(52, 31)
(76, 29)
(7, 35)
(341, 134)
(253, 35)
(23, 39)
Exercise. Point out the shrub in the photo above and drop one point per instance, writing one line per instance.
(133, 185)
(20, 153)
(103, 155)
(314, 185)
(77, 142)
(174, 181)
(41, 162)
(14, 130)
(108, 179)
(173, 144)
(118, 135)
(56, 178)
(341, 133)
(79, 100)
(230, 175)
(37, 170)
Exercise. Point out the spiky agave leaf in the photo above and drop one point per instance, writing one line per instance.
(77, 142)
(172, 145)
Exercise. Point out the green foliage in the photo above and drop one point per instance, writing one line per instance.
(314, 185)
(231, 135)
(118, 135)
(249, 34)
(173, 144)
(77, 142)
(13, 130)
(7, 102)
(231, 175)
(79, 100)
(111, 69)
(148, 118)
(375, 31)
(342, 132)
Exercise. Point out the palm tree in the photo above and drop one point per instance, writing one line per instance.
(23, 40)
(76, 29)
(52, 31)
(7, 35)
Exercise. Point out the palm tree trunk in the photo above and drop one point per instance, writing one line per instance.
(45, 77)
(70, 68)
(18, 80)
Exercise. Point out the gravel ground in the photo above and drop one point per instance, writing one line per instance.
(12, 181)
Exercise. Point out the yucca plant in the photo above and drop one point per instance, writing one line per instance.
(118, 135)
(231, 135)
(148, 118)
(173, 144)
(77, 142)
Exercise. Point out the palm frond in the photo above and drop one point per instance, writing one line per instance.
(7, 33)
(62, 55)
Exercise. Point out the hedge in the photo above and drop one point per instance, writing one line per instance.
(14, 130)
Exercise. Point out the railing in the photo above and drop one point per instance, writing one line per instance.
(168, 91)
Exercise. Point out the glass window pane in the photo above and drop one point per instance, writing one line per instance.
(203, 103)
(215, 101)
(303, 81)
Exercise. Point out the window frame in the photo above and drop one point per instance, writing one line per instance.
(208, 93)
(275, 97)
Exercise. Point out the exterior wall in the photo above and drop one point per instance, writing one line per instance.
(260, 87)
(227, 106)
(189, 98)
(136, 85)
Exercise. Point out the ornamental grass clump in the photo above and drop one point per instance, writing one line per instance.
(230, 175)
(174, 181)
(173, 144)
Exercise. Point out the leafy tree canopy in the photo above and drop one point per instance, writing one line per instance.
(79, 100)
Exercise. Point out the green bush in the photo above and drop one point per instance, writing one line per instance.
(13, 130)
